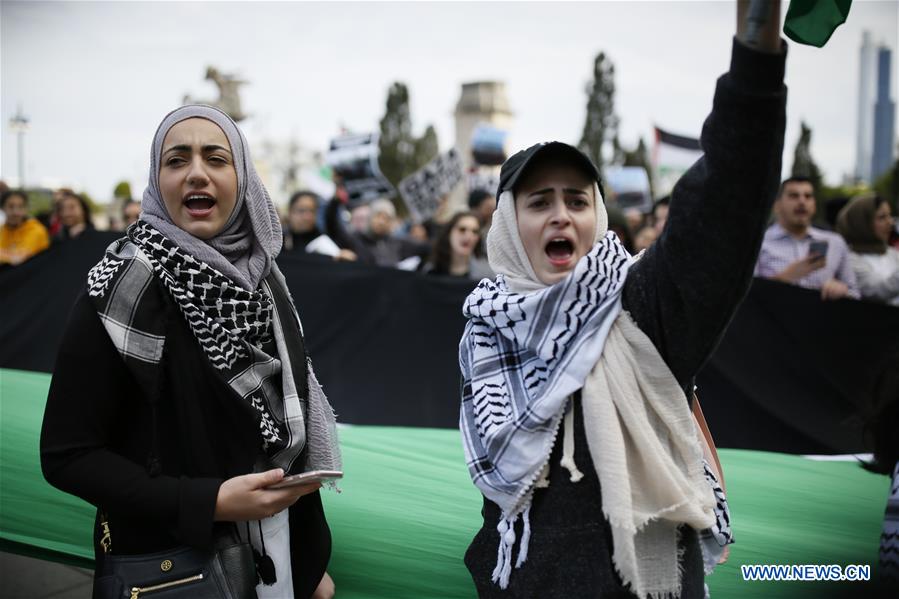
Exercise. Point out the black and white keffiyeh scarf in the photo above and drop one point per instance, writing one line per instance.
(527, 347)
(522, 356)
(232, 326)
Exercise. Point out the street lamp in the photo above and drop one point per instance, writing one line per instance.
(19, 124)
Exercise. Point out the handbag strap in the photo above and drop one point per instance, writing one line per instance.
(709, 441)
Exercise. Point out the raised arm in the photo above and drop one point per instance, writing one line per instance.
(684, 290)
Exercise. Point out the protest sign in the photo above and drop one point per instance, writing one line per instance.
(628, 187)
(483, 178)
(424, 190)
(355, 159)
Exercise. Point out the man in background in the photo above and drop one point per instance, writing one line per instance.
(795, 252)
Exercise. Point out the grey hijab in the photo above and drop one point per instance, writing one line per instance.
(251, 239)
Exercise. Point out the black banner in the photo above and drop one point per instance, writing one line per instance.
(795, 373)
(792, 373)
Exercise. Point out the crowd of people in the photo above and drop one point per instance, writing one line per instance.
(22, 236)
(366, 232)
(183, 394)
(853, 253)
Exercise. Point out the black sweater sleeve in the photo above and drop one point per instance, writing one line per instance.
(684, 290)
(93, 405)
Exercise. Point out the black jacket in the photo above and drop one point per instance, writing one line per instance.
(97, 440)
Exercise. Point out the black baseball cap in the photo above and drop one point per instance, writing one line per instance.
(517, 164)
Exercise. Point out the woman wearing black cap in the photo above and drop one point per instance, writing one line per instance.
(578, 362)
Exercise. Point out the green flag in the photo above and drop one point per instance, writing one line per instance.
(812, 22)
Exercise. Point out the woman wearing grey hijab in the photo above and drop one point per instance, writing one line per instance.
(182, 390)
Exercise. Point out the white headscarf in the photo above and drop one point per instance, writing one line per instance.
(506, 253)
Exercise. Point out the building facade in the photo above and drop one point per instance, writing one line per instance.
(481, 102)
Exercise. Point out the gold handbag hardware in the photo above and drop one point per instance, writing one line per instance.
(136, 591)
(106, 539)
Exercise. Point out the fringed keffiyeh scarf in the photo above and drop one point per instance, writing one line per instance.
(889, 538)
(232, 326)
(522, 356)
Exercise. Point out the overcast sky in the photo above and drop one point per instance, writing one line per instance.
(95, 78)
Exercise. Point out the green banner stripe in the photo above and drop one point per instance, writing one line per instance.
(408, 510)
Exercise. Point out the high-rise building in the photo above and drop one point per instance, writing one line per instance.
(884, 118)
(865, 122)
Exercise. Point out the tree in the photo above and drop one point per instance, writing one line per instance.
(401, 153)
(426, 148)
(619, 154)
(887, 186)
(92, 205)
(803, 163)
(639, 157)
(40, 202)
(122, 191)
(601, 124)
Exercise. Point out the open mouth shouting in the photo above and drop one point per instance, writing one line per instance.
(199, 204)
(560, 251)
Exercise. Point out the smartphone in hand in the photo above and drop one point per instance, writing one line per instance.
(305, 478)
(818, 248)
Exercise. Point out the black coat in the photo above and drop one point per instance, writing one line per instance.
(97, 439)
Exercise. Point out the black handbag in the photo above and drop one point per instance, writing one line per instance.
(224, 571)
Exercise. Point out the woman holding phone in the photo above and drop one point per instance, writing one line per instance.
(182, 389)
(578, 361)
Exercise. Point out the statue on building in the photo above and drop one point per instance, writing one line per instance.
(229, 96)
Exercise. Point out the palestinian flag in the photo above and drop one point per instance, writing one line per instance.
(672, 155)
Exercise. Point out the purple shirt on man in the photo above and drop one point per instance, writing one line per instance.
(779, 249)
